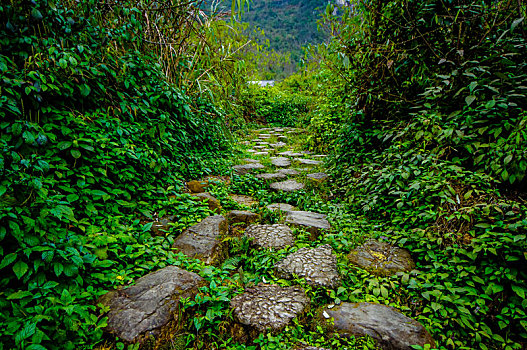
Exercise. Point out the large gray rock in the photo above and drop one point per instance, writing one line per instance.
(317, 265)
(281, 161)
(243, 200)
(312, 222)
(287, 186)
(381, 258)
(269, 306)
(291, 154)
(291, 172)
(308, 161)
(245, 168)
(318, 177)
(281, 207)
(151, 304)
(270, 236)
(242, 216)
(203, 240)
(271, 176)
(389, 327)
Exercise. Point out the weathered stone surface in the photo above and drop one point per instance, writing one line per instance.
(282, 138)
(203, 240)
(389, 327)
(280, 206)
(150, 304)
(311, 348)
(251, 151)
(212, 202)
(271, 176)
(318, 177)
(278, 144)
(281, 161)
(269, 306)
(197, 186)
(287, 186)
(270, 236)
(265, 153)
(381, 258)
(263, 143)
(290, 154)
(242, 199)
(291, 172)
(265, 135)
(161, 226)
(245, 168)
(312, 222)
(259, 147)
(244, 142)
(307, 161)
(317, 265)
(242, 216)
(319, 156)
(250, 160)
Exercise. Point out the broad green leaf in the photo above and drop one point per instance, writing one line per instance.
(469, 99)
(20, 269)
(75, 153)
(516, 22)
(19, 295)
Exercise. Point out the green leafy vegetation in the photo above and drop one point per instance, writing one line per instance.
(107, 108)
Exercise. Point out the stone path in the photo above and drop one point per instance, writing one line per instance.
(150, 307)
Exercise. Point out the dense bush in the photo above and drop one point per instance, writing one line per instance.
(95, 142)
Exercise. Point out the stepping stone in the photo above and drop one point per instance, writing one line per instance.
(281, 162)
(212, 202)
(317, 265)
(278, 129)
(306, 152)
(244, 142)
(278, 144)
(270, 236)
(203, 240)
(290, 154)
(287, 186)
(319, 156)
(312, 348)
(160, 227)
(261, 153)
(308, 161)
(281, 207)
(381, 258)
(197, 186)
(263, 143)
(242, 216)
(151, 304)
(282, 138)
(259, 147)
(288, 172)
(269, 176)
(249, 160)
(244, 200)
(312, 222)
(251, 151)
(265, 135)
(245, 168)
(269, 306)
(318, 177)
(389, 327)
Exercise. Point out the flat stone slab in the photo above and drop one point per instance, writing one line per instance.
(250, 160)
(281, 161)
(242, 216)
(287, 186)
(312, 222)
(271, 176)
(278, 144)
(389, 327)
(251, 151)
(265, 135)
(318, 177)
(245, 168)
(381, 258)
(291, 172)
(270, 236)
(317, 265)
(319, 156)
(269, 306)
(259, 147)
(307, 161)
(244, 200)
(151, 304)
(203, 240)
(281, 207)
(261, 153)
(290, 154)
